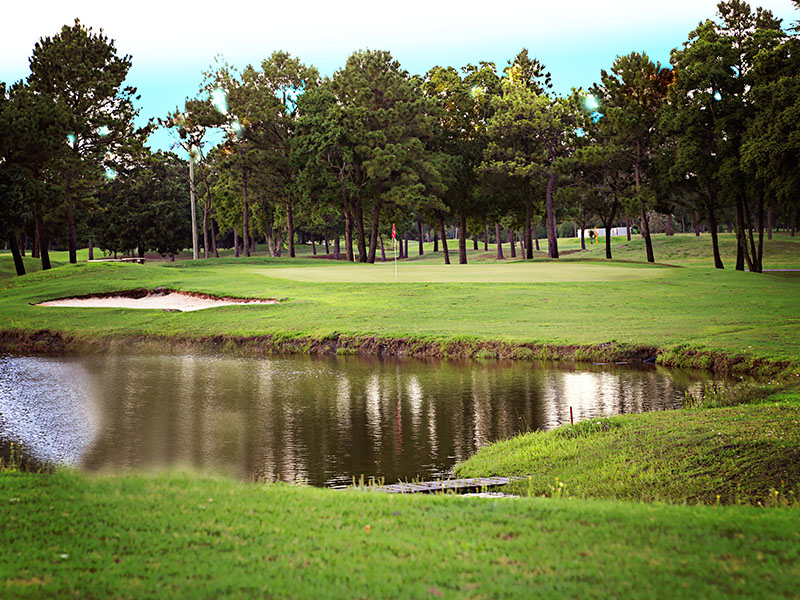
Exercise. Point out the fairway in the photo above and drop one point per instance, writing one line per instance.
(513, 272)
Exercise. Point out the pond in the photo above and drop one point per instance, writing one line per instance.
(319, 420)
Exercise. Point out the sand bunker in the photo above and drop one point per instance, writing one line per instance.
(163, 300)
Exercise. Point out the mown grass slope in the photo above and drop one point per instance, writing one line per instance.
(541, 302)
(182, 536)
(748, 453)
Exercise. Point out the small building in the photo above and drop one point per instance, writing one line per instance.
(601, 231)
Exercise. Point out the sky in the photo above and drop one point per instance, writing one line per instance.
(171, 44)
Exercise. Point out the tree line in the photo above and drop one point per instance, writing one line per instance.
(712, 139)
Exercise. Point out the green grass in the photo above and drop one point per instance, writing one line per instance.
(181, 535)
(562, 303)
(178, 535)
(749, 453)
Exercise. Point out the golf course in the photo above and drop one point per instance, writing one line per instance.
(702, 499)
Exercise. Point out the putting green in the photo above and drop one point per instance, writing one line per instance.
(515, 272)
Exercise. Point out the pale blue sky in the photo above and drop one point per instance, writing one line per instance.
(172, 44)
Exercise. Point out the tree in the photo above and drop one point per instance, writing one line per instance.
(191, 126)
(34, 128)
(81, 71)
(144, 207)
(270, 98)
(599, 176)
(384, 122)
(530, 132)
(630, 97)
(463, 105)
(771, 146)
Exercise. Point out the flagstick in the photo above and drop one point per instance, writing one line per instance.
(394, 245)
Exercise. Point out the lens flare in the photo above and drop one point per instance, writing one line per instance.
(103, 131)
(591, 102)
(220, 100)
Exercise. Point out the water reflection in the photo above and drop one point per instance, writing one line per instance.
(320, 420)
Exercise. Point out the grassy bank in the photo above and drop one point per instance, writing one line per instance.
(167, 536)
(565, 304)
(145, 536)
(745, 453)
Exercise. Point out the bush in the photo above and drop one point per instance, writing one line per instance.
(566, 229)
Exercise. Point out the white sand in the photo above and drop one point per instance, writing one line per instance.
(170, 301)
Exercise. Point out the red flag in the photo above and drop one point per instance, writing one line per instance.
(394, 233)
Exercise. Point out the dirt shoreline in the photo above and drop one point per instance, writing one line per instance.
(47, 342)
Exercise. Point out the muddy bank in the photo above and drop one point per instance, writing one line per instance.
(54, 343)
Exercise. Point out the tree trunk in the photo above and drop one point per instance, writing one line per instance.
(419, 232)
(462, 239)
(73, 232)
(13, 245)
(521, 245)
(444, 241)
(607, 224)
(741, 243)
(583, 238)
(383, 252)
(348, 235)
(327, 245)
(475, 242)
(648, 243)
(91, 249)
(35, 250)
(313, 246)
(670, 226)
(41, 235)
(769, 223)
(627, 227)
(528, 211)
(336, 248)
(193, 204)
(513, 243)
(497, 234)
(760, 233)
(246, 225)
(712, 222)
(214, 240)
(358, 216)
(485, 238)
(290, 229)
(236, 242)
(206, 208)
(373, 235)
(536, 236)
(552, 228)
(435, 242)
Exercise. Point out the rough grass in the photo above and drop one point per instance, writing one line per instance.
(747, 453)
(162, 536)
